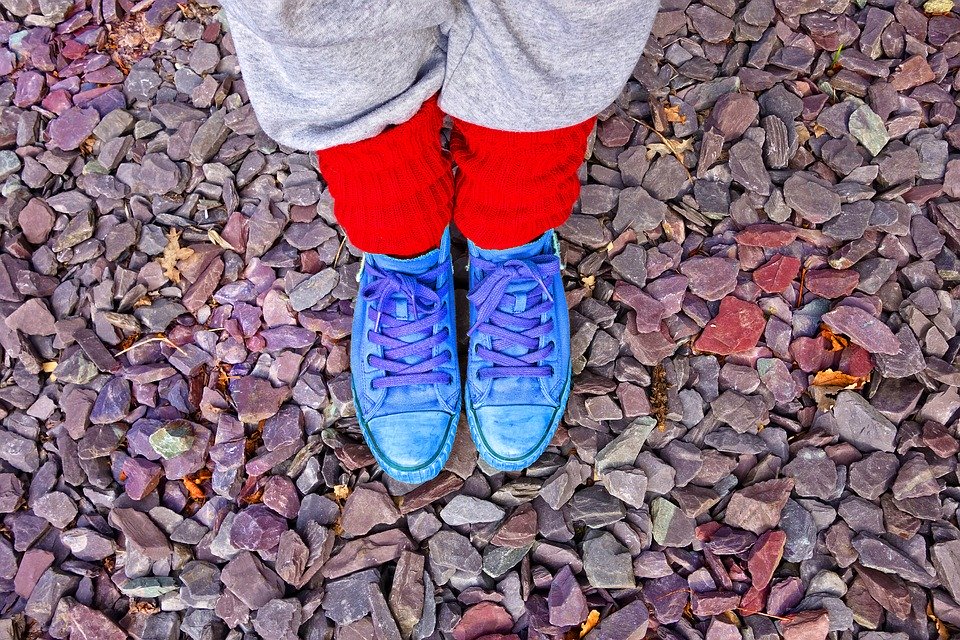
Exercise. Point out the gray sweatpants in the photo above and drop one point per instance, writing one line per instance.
(325, 72)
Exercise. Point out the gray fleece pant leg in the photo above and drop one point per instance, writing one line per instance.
(326, 72)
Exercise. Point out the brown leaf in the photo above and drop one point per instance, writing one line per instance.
(592, 619)
(254, 440)
(837, 343)
(673, 114)
(942, 632)
(172, 254)
(838, 379)
(341, 492)
(192, 483)
(658, 396)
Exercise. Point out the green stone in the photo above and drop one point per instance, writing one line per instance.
(671, 527)
(607, 563)
(151, 587)
(76, 368)
(172, 439)
(867, 127)
(9, 164)
(498, 560)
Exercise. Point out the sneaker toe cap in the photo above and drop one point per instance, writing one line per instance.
(515, 435)
(411, 442)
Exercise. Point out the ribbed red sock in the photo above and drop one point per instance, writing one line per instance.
(393, 193)
(512, 187)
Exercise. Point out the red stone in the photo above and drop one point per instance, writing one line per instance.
(481, 620)
(765, 556)
(705, 531)
(806, 625)
(812, 354)
(856, 361)
(768, 236)
(753, 601)
(777, 274)
(737, 327)
(832, 283)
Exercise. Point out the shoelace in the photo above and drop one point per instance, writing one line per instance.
(427, 309)
(496, 315)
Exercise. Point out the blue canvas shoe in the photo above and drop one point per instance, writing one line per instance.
(518, 374)
(403, 356)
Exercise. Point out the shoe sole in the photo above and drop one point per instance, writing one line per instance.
(514, 464)
(410, 475)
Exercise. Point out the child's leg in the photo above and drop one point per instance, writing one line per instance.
(357, 81)
(393, 193)
(512, 187)
(523, 92)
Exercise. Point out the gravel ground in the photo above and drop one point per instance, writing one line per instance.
(762, 275)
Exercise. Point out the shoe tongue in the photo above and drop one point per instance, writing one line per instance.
(539, 246)
(520, 290)
(409, 266)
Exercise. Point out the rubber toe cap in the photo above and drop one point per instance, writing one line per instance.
(513, 437)
(412, 447)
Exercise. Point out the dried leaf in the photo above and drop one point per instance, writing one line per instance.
(130, 39)
(942, 632)
(218, 240)
(821, 395)
(938, 7)
(172, 254)
(255, 439)
(193, 482)
(588, 282)
(341, 491)
(658, 397)
(673, 114)
(592, 619)
(669, 147)
(838, 379)
(157, 338)
(837, 343)
(254, 497)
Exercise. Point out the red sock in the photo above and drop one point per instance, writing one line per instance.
(393, 193)
(513, 187)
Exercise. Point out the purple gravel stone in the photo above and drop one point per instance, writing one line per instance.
(256, 399)
(668, 596)
(568, 605)
(256, 528)
(863, 329)
(252, 582)
(280, 494)
(113, 402)
(141, 477)
(32, 565)
(711, 278)
(68, 130)
(29, 89)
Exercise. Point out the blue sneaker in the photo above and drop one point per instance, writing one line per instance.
(403, 357)
(518, 374)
